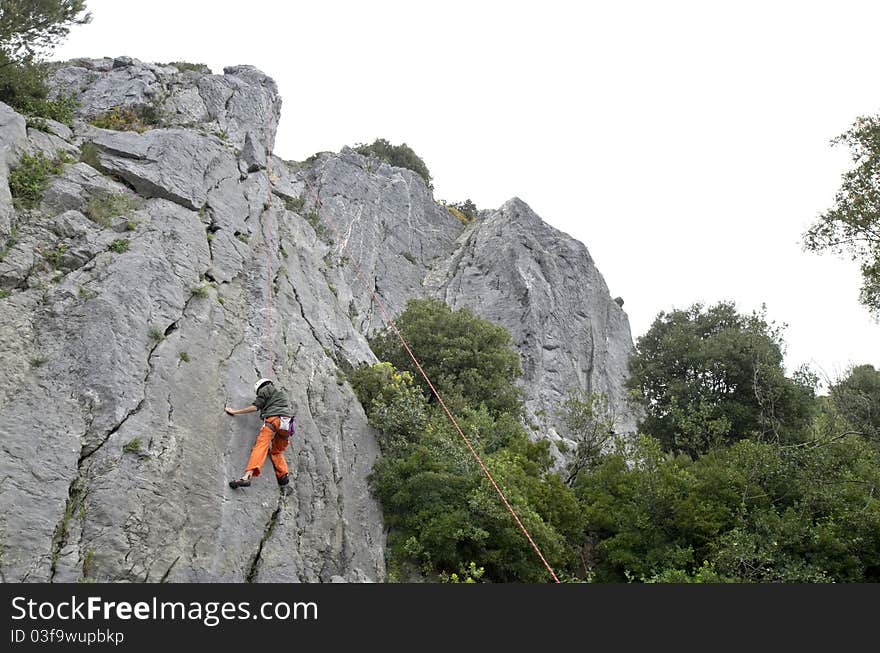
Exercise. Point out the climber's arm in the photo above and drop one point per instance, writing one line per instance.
(241, 411)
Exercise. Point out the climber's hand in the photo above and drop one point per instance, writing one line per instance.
(229, 411)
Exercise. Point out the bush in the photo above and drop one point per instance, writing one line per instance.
(184, 357)
(28, 181)
(139, 118)
(184, 66)
(119, 245)
(103, 207)
(750, 512)
(89, 153)
(156, 334)
(394, 405)
(135, 445)
(466, 211)
(38, 123)
(294, 204)
(60, 109)
(200, 291)
(314, 219)
(466, 357)
(401, 156)
(54, 256)
(23, 87)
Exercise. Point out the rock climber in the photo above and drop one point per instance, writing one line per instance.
(278, 425)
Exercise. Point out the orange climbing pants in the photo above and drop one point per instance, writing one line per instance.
(271, 444)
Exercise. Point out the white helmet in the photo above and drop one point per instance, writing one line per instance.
(260, 384)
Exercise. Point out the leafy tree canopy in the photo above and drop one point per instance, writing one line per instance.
(469, 359)
(29, 28)
(708, 376)
(751, 512)
(852, 225)
(857, 398)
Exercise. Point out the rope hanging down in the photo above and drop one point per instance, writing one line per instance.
(390, 322)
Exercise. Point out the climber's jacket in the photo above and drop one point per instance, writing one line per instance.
(271, 401)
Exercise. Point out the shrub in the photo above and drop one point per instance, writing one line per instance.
(38, 361)
(103, 206)
(135, 445)
(314, 219)
(38, 123)
(156, 334)
(242, 237)
(23, 87)
(184, 357)
(54, 255)
(119, 245)
(4, 293)
(184, 66)
(466, 211)
(88, 153)
(10, 243)
(294, 203)
(748, 512)
(59, 110)
(28, 181)
(200, 291)
(464, 355)
(401, 156)
(139, 118)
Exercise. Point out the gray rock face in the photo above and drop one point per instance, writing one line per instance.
(176, 164)
(242, 101)
(115, 444)
(13, 137)
(136, 304)
(390, 224)
(514, 269)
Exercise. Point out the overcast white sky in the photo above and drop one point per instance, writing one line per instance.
(686, 143)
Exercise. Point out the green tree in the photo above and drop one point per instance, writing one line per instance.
(750, 512)
(394, 405)
(852, 225)
(470, 360)
(708, 376)
(28, 30)
(857, 399)
(443, 514)
(590, 422)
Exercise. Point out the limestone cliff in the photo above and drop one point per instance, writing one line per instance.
(135, 305)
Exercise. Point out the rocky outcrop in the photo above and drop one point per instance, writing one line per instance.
(118, 359)
(514, 269)
(136, 303)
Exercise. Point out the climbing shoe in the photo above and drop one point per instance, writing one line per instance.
(240, 482)
(284, 480)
